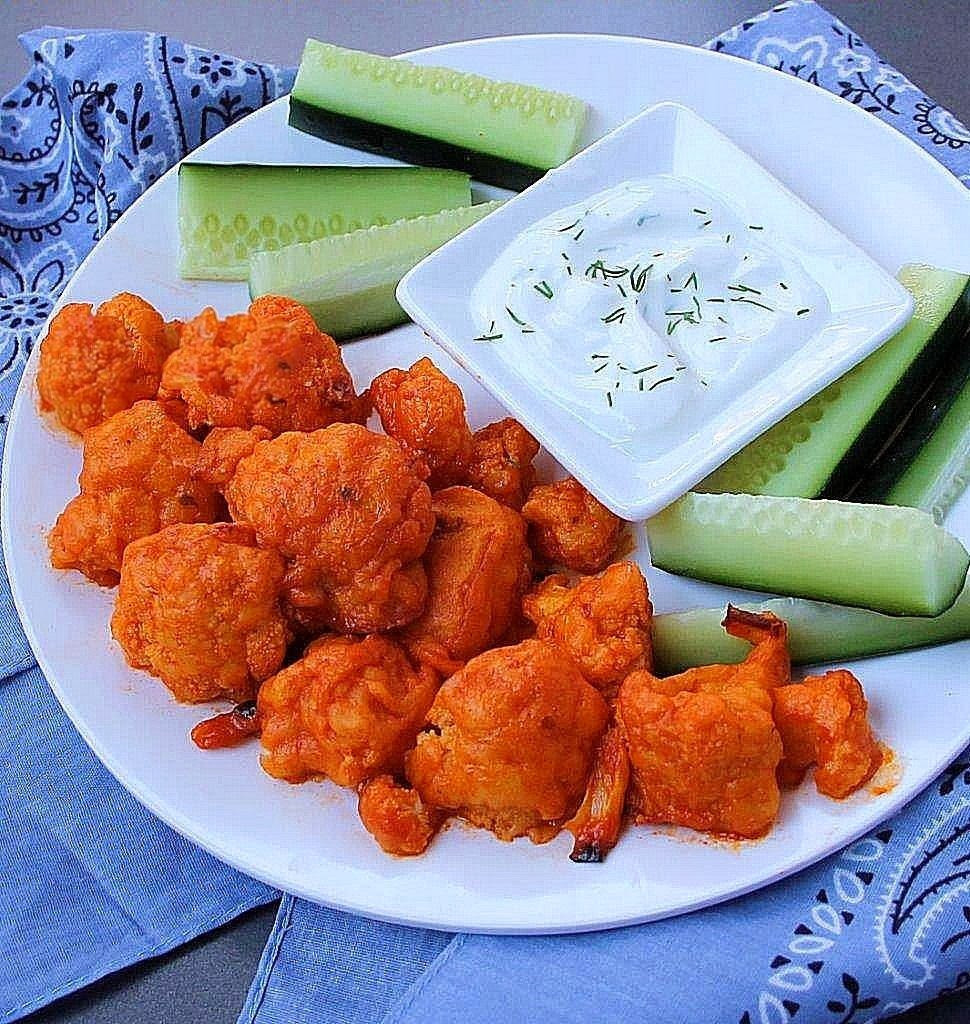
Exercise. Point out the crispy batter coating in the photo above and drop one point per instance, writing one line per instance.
(395, 816)
(602, 622)
(569, 527)
(424, 412)
(222, 451)
(270, 367)
(198, 606)
(95, 364)
(824, 721)
(136, 479)
(347, 710)
(703, 746)
(351, 513)
(500, 464)
(511, 741)
(478, 567)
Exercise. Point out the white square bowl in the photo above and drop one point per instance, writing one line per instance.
(866, 306)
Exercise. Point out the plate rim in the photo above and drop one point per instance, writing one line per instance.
(887, 805)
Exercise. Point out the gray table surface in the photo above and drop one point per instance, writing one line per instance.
(207, 980)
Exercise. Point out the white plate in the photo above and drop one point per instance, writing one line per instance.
(643, 474)
(865, 178)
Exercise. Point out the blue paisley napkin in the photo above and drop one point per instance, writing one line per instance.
(92, 882)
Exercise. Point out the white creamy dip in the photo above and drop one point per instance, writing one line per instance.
(651, 304)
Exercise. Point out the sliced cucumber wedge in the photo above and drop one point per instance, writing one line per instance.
(817, 633)
(927, 465)
(822, 447)
(347, 282)
(227, 211)
(499, 132)
(886, 558)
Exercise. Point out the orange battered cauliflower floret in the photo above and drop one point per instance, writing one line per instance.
(569, 527)
(351, 513)
(395, 816)
(137, 478)
(500, 464)
(602, 622)
(222, 451)
(511, 742)
(96, 364)
(478, 567)
(271, 367)
(198, 606)
(824, 721)
(347, 711)
(703, 745)
(425, 412)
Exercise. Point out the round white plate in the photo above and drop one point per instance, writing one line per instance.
(882, 191)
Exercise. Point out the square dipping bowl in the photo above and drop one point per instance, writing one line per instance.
(638, 471)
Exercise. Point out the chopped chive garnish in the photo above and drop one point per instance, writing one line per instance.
(697, 306)
(641, 383)
(715, 300)
(691, 281)
(756, 227)
(722, 319)
(598, 355)
(569, 227)
(564, 256)
(656, 255)
(677, 369)
(569, 271)
(643, 369)
(639, 281)
(675, 291)
(781, 284)
(603, 367)
(528, 330)
(609, 399)
(621, 290)
(578, 235)
(543, 289)
(657, 383)
(703, 212)
(742, 288)
(753, 302)
(671, 327)
(521, 323)
(802, 312)
(616, 386)
(720, 337)
(616, 317)
(487, 337)
(727, 239)
(707, 224)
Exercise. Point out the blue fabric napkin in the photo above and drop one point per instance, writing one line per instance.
(92, 882)
(89, 880)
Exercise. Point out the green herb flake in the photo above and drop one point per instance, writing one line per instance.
(657, 383)
(543, 289)
(802, 312)
(569, 227)
(753, 302)
(616, 317)
(521, 323)
(609, 399)
(756, 227)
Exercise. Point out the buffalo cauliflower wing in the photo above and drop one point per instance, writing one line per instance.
(347, 711)
(96, 364)
(478, 567)
(510, 742)
(703, 745)
(424, 412)
(500, 464)
(198, 606)
(351, 513)
(137, 478)
(824, 721)
(602, 622)
(569, 527)
(271, 367)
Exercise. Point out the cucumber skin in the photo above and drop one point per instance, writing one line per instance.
(818, 633)
(816, 549)
(813, 451)
(254, 191)
(408, 146)
(933, 442)
(940, 471)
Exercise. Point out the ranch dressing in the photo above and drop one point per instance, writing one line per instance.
(651, 304)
